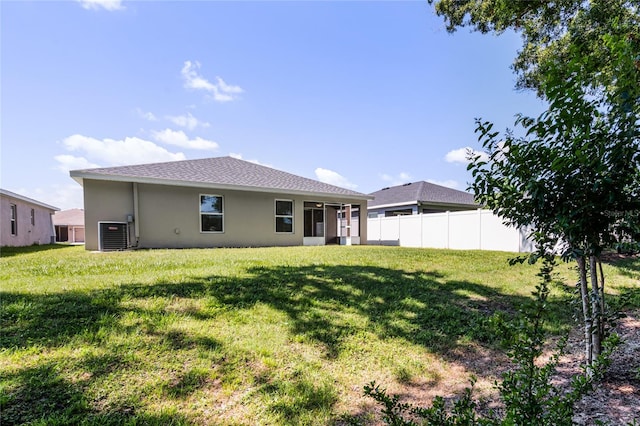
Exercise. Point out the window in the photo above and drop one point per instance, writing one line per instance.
(33, 217)
(14, 219)
(211, 213)
(404, 212)
(284, 216)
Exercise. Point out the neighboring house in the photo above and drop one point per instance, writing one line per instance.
(215, 202)
(416, 198)
(25, 221)
(69, 225)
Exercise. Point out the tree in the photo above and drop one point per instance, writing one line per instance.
(552, 33)
(574, 175)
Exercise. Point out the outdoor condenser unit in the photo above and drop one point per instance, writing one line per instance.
(113, 236)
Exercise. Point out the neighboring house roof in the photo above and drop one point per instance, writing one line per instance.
(420, 193)
(27, 199)
(72, 217)
(219, 172)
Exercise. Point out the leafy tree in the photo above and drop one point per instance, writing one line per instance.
(552, 32)
(575, 174)
(574, 177)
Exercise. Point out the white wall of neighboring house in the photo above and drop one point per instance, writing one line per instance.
(32, 223)
(465, 230)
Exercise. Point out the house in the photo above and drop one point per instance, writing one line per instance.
(215, 202)
(416, 198)
(25, 221)
(69, 226)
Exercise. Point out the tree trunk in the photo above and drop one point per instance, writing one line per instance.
(586, 311)
(602, 301)
(595, 307)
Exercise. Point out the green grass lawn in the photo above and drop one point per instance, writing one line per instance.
(252, 336)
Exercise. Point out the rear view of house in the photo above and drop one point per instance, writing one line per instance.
(25, 221)
(215, 202)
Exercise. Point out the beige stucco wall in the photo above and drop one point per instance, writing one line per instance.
(104, 201)
(27, 234)
(168, 216)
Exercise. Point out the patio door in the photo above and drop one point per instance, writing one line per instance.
(314, 223)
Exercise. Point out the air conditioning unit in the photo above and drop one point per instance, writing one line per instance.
(113, 236)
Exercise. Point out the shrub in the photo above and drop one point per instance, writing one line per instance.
(527, 393)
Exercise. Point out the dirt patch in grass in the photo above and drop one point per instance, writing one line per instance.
(447, 378)
(613, 258)
(615, 401)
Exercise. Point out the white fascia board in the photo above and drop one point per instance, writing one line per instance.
(78, 176)
(27, 200)
(420, 203)
(386, 206)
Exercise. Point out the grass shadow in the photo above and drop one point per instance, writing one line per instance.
(421, 307)
(629, 266)
(9, 251)
(51, 319)
(41, 396)
(319, 301)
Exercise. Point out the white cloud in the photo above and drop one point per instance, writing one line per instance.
(179, 138)
(111, 152)
(109, 5)
(149, 116)
(68, 162)
(461, 155)
(226, 88)
(64, 197)
(239, 157)
(333, 178)
(401, 178)
(221, 92)
(97, 153)
(448, 183)
(188, 121)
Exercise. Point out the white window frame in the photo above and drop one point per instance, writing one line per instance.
(276, 216)
(14, 219)
(201, 213)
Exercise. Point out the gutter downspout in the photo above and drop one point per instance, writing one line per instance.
(136, 228)
(52, 237)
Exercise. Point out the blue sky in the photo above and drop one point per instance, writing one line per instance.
(358, 94)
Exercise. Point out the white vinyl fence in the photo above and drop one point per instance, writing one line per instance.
(473, 230)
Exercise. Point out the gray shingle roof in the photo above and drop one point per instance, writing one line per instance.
(423, 192)
(225, 172)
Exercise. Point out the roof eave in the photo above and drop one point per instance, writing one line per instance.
(79, 176)
(417, 202)
(384, 206)
(445, 203)
(7, 193)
